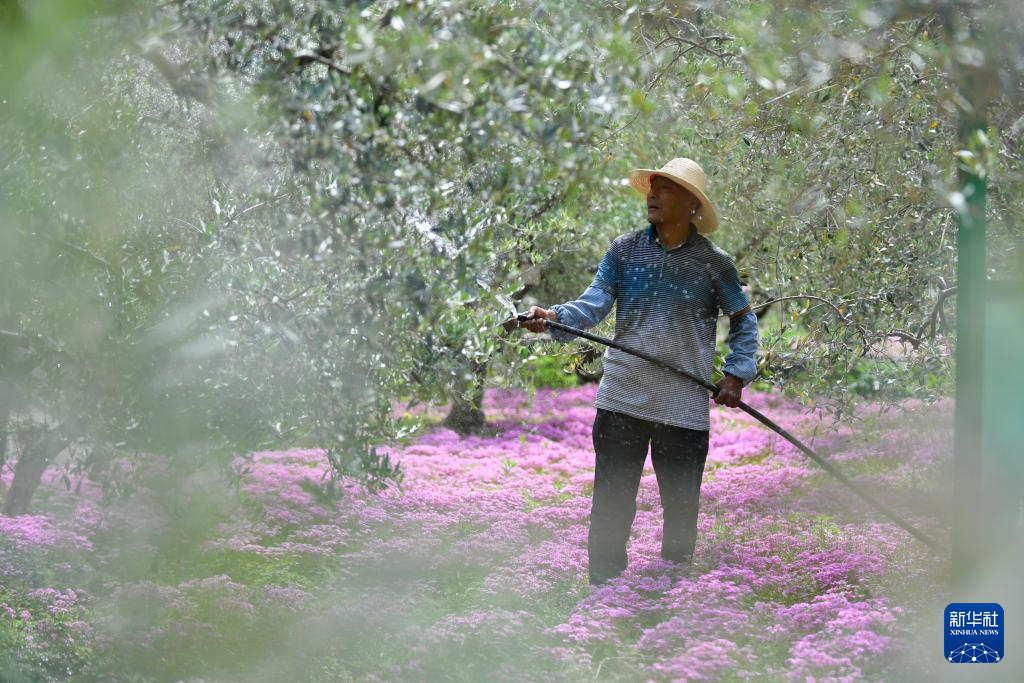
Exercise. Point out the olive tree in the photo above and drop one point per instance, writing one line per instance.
(247, 225)
(831, 132)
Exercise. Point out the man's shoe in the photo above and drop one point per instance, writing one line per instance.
(598, 578)
(682, 567)
(678, 559)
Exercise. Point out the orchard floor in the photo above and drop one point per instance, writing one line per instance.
(476, 569)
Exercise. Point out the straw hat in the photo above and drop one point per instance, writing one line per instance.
(689, 174)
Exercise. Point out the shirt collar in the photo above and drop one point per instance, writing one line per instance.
(652, 234)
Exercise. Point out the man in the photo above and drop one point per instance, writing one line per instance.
(670, 282)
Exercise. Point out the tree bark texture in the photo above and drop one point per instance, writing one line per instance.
(33, 460)
(467, 415)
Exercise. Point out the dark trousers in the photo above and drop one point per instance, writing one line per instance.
(620, 446)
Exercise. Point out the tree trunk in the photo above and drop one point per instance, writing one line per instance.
(467, 415)
(32, 462)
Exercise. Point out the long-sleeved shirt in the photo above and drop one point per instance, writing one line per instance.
(668, 302)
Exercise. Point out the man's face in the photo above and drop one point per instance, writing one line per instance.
(669, 202)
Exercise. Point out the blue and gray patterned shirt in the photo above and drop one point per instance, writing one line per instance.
(668, 303)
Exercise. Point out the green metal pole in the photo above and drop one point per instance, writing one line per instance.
(970, 325)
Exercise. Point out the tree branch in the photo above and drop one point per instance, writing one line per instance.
(80, 251)
(182, 86)
(699, 46)
(800, 296)
(896, 333)
(311, 57)
(937, 313)
(36, 342)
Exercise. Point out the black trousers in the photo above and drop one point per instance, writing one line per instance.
(620, 446)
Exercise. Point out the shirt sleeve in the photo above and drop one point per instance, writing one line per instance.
(608, 271)
(590, 309)
(743, 337)
(743, 343)
(596, 302)
(731, 298)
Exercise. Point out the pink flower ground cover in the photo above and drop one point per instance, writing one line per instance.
(475, 569)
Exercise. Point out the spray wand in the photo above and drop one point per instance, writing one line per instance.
(753, 412)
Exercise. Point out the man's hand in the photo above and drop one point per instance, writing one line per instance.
(541, 315)
(730, 391)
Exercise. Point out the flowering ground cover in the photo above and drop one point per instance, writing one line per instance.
(476, 568)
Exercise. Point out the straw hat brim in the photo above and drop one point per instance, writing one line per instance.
(706, 219)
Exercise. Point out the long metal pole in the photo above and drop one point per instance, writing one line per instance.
(806, 450)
